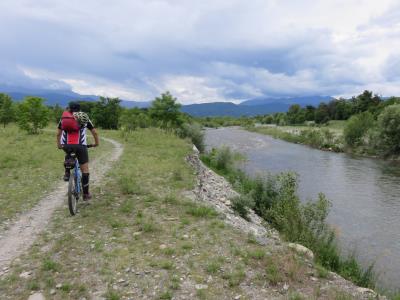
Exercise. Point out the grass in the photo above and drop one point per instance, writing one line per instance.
(154, 244)
(30, 166)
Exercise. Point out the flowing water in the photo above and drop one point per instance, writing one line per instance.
(365, 193)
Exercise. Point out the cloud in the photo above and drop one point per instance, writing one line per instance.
(221, 50)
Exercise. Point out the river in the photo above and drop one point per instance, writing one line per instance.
(364, 192)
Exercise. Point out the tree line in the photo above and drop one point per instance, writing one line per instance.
(32, 115)
(336, 109)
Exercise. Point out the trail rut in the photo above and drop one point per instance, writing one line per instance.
(22, 232)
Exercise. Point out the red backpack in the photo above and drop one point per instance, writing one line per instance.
(68, 122)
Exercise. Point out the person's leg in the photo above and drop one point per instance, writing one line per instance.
(83, 158)
(67, 162)
(85, 179)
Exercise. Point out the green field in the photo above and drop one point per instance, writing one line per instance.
(30, 166)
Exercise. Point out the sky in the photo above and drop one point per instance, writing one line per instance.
(201, 51)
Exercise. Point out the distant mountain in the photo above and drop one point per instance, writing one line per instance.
(231, 109)
(303, 101)
(61, 97)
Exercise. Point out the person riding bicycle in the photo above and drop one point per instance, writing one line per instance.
(71, 137)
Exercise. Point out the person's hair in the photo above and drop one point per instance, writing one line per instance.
(74, 106)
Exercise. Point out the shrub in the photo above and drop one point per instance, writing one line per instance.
(356, 128)
(389, 128)
(194, 132)
(241, 205)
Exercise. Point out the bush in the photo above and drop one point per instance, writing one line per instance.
(194, 132)
(389, 128)
(241, 205)
(357, 127)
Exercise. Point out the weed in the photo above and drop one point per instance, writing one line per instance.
(199, 211)
(167, 295)
(256, 254)
(166, 264)
(50, 265)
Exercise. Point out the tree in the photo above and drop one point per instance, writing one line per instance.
(7, 113)
(165, 111)
(134, 118)
(106, 113)
(296, 115)
(322, 113)
(389, 129)
(33, 115)
(366, 101)
(56, 112)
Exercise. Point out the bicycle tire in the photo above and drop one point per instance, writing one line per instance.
(72, 201)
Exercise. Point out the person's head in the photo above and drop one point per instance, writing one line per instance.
(74, 107)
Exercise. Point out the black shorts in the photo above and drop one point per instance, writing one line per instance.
(81, 152)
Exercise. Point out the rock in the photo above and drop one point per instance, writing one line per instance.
(52, 291)
(302, 250)
(365, 291)
(237, 297)
(285, 286)
(201, 286)
(36, 296)
(25, 275)
(162, 246)
(121, 280)
(58, 286)
(185, 236)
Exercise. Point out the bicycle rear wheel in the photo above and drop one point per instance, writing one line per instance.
(72, 199)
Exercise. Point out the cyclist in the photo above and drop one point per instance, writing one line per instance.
(71, 137)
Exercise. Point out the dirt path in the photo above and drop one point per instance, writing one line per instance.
(22, 233)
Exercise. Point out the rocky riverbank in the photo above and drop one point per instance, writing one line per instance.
(216, 191)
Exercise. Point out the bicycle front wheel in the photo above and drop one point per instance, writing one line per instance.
(72, 201)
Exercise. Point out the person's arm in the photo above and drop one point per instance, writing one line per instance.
(59, 132)
(95, 136)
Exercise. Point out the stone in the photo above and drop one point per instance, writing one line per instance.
(36, 296)
(25, 275)
(365, 291)
(58, 286)
(52, 291)
(201, 286)
(162, 246)
(237, 297)
(302, 250)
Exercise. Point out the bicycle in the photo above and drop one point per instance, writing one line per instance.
(75, 191)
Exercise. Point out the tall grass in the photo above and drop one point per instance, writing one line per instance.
(275, 199)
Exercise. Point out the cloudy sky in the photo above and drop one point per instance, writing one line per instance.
(202, 51)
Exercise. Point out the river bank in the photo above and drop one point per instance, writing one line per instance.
(368, 224)
(216, 191)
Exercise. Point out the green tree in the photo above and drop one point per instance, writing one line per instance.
(56, 112)
(106, 113)
(7, 113)
(366, 102)
(389, 129)
(357, 127)
(165, 111)
(322, 113)
(296, 115)
(33, 115)
(134, 118)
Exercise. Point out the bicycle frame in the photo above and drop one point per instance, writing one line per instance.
(77, 174)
